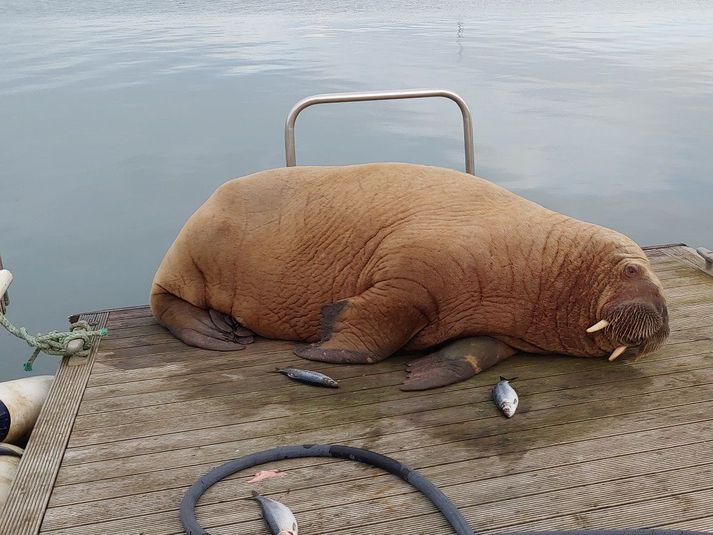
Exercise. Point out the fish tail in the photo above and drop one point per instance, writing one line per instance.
(506, 379)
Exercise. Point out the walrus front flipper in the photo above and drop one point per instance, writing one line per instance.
(197, 327)
(455, 362)
(371, 326)
(228, 325)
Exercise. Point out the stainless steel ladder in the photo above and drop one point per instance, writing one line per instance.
(381, 95)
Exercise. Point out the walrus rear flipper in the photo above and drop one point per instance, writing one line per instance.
(207, 329)
(455, 362)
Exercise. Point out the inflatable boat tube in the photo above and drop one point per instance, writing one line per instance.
(9, 461)
(20, 404)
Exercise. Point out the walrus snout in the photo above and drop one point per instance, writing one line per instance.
(634, 322)
(638, 326)
(635, 318)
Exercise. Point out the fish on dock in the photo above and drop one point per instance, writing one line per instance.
(277, 516)
(505, 397)
(308, 376)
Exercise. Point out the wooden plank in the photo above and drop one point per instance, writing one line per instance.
(36, 474)
(688, 256)
(449, 473)
(656, 249)
(533, 495)
(673, 508)
(462, 460)
(437, 408)
(225, 385)
(666, 264)
(110, 370)
(342, 408)
(116, 323)
(390, 434)
(143, 524)
(116, 370)
(138, 311)
(489, 511)
(148, 326)
(150, 368)
(431, 457)
(204, 407)
(234, 400)
(642, 441)
(685, 276)
(703, 524)
(221, 389)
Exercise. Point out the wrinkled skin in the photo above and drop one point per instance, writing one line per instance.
(362, 261)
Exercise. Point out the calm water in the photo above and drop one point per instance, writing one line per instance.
(117, 119)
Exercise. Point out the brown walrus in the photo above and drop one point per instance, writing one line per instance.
(365, 260)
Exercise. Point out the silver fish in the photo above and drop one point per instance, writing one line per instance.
(505, 397)
(308, 376)
(277, 516)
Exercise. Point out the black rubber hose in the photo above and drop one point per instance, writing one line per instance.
(444, 505)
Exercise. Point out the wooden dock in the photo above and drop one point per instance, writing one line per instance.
(594, 444)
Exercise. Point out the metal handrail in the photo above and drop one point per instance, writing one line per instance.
(381, 95)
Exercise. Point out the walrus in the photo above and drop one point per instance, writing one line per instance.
(359, 262)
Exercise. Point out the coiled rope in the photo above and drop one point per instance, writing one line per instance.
(55, 342)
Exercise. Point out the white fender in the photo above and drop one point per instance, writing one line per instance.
(9, 462)
(5, 280)
(20, 404)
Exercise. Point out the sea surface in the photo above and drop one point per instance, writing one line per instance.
(119, 118)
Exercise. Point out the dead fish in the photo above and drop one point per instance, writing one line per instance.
(505, 397)
(277, 515)
(308, 376)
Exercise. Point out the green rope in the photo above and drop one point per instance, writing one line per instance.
(55, 342)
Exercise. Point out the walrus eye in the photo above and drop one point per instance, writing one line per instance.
(631, 270)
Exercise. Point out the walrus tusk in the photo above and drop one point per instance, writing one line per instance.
(618, 351)
(602, 324)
